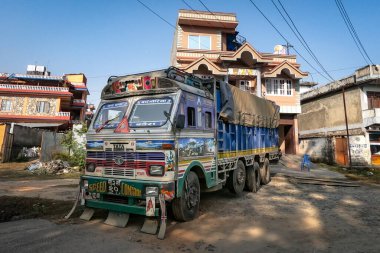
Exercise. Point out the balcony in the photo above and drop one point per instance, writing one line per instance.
(78, 102)
(33, 89)
(371, 117)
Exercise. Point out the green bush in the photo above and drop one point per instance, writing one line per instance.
(77, 152)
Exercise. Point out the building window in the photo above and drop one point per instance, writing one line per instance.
(244, 85)
(208, 120)
(199, 42)
(373, 99)
(43, 107)
(191, 116)
(282, 87)
(6, 105)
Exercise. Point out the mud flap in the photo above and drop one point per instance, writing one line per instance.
(87, 214)
(162, 231)
(150, 226)
(117, 219)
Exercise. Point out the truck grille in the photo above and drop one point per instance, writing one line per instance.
(123, 164)
(120, 172)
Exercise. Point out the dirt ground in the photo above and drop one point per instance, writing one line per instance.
(282, 217)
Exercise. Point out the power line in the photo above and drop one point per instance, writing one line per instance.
(212, 13)
(167, 22)
(274, 27)
(335, 70)
(352, 31)
(299, 36)
(155, 13)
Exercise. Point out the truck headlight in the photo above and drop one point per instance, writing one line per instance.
(151, 191)
(90, 167)
(156, 170)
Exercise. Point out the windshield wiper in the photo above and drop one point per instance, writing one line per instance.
(105, 124)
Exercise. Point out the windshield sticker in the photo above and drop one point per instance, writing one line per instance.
(95, 145)
(114, 105)
(147, 124)
(155, 101)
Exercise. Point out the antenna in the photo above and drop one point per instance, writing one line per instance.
(288, 45)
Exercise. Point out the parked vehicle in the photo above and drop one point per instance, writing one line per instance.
(164, 136)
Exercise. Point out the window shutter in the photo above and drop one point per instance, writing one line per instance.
(47, 107)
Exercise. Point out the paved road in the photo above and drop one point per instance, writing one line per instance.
(282, 217)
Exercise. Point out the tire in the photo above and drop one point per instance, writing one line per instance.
(265, 172)
(186, 207)
(253, 180)
(236, 180)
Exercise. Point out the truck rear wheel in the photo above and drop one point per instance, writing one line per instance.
(253, 178)
(186, 207)
(265, 172)
(236, 181)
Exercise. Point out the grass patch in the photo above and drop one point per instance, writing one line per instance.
(369, 175)
(17, 208)
(16, 171)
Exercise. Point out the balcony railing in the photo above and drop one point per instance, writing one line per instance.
(62, 114)
(33, 88)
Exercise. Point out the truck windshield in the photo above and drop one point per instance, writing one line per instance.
(150, 112)
(110, 115)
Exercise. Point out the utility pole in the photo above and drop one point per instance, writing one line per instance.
(347, 133)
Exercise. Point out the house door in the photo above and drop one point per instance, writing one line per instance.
(289, 139)
(341, 156)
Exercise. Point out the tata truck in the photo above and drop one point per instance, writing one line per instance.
(161, 138)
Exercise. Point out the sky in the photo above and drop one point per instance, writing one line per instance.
(101, 38)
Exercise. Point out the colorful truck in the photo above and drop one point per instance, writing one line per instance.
(160, 138)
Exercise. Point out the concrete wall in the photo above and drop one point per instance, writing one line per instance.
(51, 144)
(323, 149)
(327, 112)
(319, 149)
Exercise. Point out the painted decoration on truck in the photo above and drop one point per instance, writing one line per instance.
(189, 147)
(154, 144)
(169, 161)
(95, 145)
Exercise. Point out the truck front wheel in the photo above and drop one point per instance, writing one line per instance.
(186, 207)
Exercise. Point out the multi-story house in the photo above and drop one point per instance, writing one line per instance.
(323, 129)
(208, 45)
(38, 99)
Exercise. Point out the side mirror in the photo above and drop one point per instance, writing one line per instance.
(180, 122)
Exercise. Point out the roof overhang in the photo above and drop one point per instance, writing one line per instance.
(288, 69)
(203, 62)
(247, 54)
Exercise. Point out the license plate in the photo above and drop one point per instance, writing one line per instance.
(113, 186)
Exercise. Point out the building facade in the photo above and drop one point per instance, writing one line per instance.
(38, 99)
(209, 45)
(322, 123)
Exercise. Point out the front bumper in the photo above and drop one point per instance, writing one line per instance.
(124, 195)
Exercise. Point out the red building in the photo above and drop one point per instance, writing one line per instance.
(38, 99)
